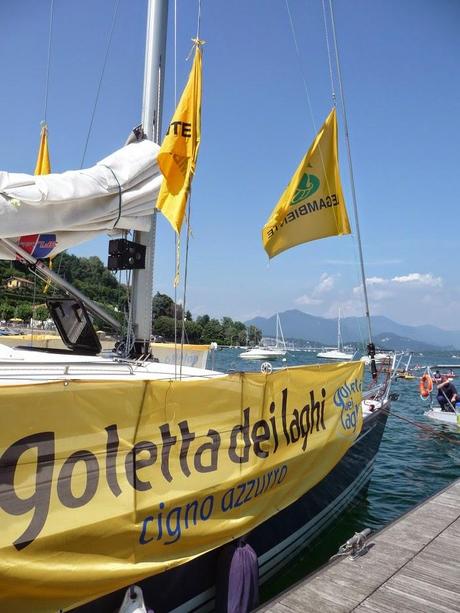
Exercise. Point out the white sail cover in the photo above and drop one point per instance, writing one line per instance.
(46, 214)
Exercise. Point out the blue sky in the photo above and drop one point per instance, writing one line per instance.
(400, 70)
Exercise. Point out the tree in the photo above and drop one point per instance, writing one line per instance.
(23, 311)
(193, 331)
(212, 332)
(164, 326)
(202, 320)
(40, 312)
(162, 306)
(6, 311)
(254, 335)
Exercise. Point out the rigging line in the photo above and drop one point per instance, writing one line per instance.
(296, 45)
(428, 429)
(175, 53)
(307, 93)
(352, 179)
(109, 42)
(329, 55)
(198, 25)
(34, 306)
(119, 195)
(176, 246)
(334, 102)
(185, 281)
(49, 60)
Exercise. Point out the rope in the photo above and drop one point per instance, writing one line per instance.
(197, 41)
(185, 282)
(119, 195)
(109, 42)
(175, 53)
(427, 429)
(329, 55)
(49, 60)
(176, 244)
(350, 166)
(296, 45)
(198, 25)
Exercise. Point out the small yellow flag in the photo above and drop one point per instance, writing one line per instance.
(43, 166)
(312, 206)
(179, 150)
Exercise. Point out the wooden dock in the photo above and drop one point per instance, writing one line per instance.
(412, 565)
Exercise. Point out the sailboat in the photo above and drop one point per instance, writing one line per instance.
(268, 352)
(339, 353)
(116, 470)
(405, 373)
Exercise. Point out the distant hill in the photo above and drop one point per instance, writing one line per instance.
(389, 340)
(297, 324)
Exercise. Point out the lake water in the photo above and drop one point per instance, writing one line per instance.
(411, 464)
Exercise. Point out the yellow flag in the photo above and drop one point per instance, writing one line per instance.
(312, 206)
(179, 151)
(43, 166)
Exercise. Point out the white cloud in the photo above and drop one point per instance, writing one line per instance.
(376, 281)
(325, 285)
(319, 291)
(307, 300)
(419, 279)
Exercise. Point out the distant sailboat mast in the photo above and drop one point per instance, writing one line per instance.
(155, 52)
(339, 334)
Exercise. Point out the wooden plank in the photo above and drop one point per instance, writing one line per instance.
(413, 566)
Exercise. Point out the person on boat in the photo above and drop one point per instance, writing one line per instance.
(447, 395)
(437, 378)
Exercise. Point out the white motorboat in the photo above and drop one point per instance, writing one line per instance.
(445, 417)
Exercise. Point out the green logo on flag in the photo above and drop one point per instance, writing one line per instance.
(307, 186)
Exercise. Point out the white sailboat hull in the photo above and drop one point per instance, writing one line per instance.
(263, 353)
(335, 355)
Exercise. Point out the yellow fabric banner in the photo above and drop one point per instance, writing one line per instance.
(179, 150)
(312, 206)
(43, 166)
(103, 483)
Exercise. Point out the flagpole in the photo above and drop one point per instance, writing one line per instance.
(155, 52)
(352, 180)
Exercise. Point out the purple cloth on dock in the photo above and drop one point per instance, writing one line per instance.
(237, 583)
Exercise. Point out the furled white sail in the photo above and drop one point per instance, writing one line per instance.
(118, 193)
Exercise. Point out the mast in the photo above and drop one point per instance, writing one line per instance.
(155, 52)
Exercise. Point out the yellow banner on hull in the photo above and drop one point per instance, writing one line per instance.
(105, 483)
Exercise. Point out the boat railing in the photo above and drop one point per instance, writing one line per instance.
(19, 370)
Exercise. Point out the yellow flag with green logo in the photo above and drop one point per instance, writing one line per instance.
(179, 150)
(312, 206)
(43, 166)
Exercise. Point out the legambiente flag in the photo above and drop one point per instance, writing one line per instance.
(312, 205)
(179, 150)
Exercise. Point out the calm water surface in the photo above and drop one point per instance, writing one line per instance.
(410, 466)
